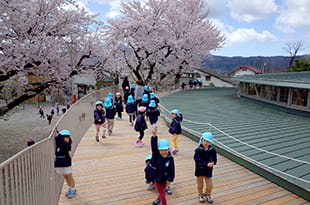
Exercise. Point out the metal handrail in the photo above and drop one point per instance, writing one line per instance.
(29, 177)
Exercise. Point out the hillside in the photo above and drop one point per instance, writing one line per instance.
(224, 64)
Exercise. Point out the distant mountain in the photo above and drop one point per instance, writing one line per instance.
(224, 64)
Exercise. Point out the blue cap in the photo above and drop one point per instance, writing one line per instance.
(64, 132)
(99, 103)
(130, 99)
(107, 102)
(133, 85)
(152, 95)
(110, 95)
(148, 157)
(145, 98)
(206, 136)
(152, 103)
(163, 144)
(175, 111)
(146, 88)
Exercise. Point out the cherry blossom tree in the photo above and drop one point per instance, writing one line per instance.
(162, 36)
(48, 39)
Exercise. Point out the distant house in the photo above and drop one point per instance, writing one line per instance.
(208, 78)
(290, 90)
(245, 70)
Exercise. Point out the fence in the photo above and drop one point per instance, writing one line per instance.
(28, 178)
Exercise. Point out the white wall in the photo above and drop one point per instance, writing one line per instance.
(244, 72)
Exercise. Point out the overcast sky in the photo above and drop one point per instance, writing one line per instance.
(251, 27)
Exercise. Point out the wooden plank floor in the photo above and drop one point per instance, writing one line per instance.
(111, 172)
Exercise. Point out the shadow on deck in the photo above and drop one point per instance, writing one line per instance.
(111, 172)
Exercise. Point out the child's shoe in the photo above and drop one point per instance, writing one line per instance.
(72, 193)
(202, 199)
(68, 192)
(97, 139)
(208, 199)
(156, 202)
(150, 186)
(168, 190)
(139, 143)
(104, 137)
(118, 118)
(174, 151)
(110, 132)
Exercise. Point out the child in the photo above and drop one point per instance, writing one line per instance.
(147, 91)
(49, 117)
(110, 114)
(126, 94)
(148, 176)
(110, 95)
(64, 109)
(183, 85)
(119, 105)
(63, 159)
(140, 125)
(153, 114)
(30, 142)
(131, 109)
(205, 158)
(57, 108)
(41, 112)
(175, 129)
(99, 120)
(154, 97)
(52, 111)
(163, 162)
(145, 101)
(132, 89)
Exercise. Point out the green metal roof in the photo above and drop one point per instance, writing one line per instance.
(289, 79)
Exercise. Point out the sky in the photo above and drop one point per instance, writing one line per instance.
(251, 27)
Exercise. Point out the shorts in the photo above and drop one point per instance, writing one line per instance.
(100, 125)
(64, 170)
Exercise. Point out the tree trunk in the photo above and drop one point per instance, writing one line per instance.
(177, 79)
(29, 94)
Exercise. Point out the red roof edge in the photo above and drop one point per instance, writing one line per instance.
(255, 70)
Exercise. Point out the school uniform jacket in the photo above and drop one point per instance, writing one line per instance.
(175, 125)
(140, 123)
(62, 156)
(119, 105)
(110, 112)
(202, 157)
(164, 166)
(98, 115)
(153, 114)
(131, 107)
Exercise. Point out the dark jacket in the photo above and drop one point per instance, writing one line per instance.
(145, 103)
(202, 157)
(175, 125)
(119, 104)
(131, 107)
(126, 94)
(153, 114)
(98, 115)
(140, 123)
(164, 166)
(110, 112)
(63, 158)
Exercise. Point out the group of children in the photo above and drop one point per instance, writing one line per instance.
(50, 115)
(160, 169)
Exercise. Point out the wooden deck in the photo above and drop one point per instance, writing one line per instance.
(111, 172)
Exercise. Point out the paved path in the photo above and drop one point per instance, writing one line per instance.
(111, 172)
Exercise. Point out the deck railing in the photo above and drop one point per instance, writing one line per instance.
(29, 178)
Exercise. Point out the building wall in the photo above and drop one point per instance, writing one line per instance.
(243, 72)
(207, 79)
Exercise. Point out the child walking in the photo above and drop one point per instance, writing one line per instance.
(131, 109)
(119, 105)
(145, 101)
(153, 114)
(154, 97)
(63, 160)
(175, 129)
(163, 162)
(99, 120)
(110, 115)
(140, 125)
(205, 158)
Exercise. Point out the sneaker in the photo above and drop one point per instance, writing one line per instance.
(156, 202)
(104, 137)
(174, 151)
(139, 143)
(208, 199)
(202, 199)
(110, 132)
(150, 187)
(168, 190)
(72, 193)
(68, 192)
(97, 139)
(118, 118)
